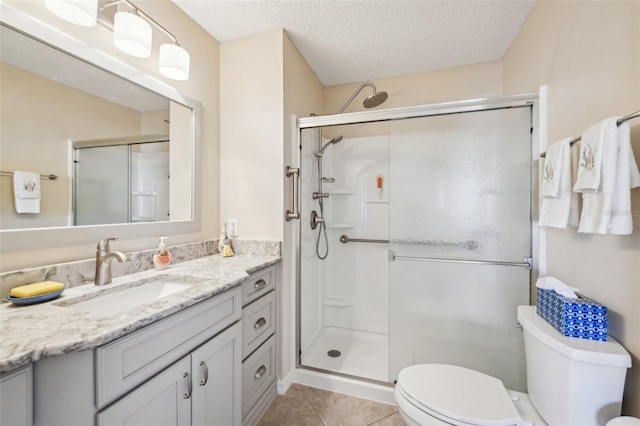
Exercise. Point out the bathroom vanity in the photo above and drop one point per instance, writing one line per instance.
(204, 355)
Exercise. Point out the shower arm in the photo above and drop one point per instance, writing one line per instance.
(356, 94)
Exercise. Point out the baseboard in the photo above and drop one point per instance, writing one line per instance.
(285, 384)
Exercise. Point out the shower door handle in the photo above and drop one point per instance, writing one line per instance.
(293, 213)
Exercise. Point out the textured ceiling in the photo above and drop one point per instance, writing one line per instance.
(347, 41)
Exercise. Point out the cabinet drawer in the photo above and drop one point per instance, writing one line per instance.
(258, 284)
(258, 372)
(258, 323)
(130, 360)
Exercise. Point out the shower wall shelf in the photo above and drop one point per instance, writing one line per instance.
(340, 225)
(341, 192)
(338, 301)
(383, 201)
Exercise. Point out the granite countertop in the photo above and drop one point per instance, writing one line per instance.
(29, 333)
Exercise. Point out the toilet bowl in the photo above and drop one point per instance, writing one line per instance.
(557, 367)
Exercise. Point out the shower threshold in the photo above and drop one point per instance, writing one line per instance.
(362, 354)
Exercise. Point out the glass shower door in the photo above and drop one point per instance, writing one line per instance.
(460, 228)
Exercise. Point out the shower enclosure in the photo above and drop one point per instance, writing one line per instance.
(427, 213)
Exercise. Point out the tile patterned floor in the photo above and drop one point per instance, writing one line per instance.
(307, 406)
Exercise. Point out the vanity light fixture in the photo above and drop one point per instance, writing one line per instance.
(132, 33)
(79, 12)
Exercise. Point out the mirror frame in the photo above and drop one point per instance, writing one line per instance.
(40, 238)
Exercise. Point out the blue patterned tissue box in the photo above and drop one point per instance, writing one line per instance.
(581, 317)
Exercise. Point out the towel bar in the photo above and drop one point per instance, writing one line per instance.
(50, 177)
(619, 122)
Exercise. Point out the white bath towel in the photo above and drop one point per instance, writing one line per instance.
(552, 283)
(619, 175)
(627, 177)
(592, 142)
(26, 191)
(559, 207)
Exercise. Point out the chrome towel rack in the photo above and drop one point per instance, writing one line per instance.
(50, 177)
(527, 261)
(619, 122)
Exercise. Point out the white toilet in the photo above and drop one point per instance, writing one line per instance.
(571, 381)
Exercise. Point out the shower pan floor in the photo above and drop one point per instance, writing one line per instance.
(363, 354)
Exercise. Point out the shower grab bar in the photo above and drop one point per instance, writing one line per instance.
(467, 245)
(344, 240)
(293, 213)
(526, 264)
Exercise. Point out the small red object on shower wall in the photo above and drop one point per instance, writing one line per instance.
(379, 179)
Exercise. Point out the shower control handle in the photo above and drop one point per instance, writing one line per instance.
(315, 219)
(293, 213)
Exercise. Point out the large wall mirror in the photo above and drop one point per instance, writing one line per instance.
(123, 155)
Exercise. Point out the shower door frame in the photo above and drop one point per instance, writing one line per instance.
(537, 103)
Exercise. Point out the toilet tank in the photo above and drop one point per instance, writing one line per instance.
(572, 381)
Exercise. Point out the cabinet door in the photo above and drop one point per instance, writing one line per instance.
(16, 398)
(163, 400)
(216, 367)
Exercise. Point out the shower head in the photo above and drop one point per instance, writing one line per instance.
(377, 98)
(373, 100)
(331, 142)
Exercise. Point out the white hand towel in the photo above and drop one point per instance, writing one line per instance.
(591, 148)
(597, 206)
(553, 164)
(627, 177)
(559, 210)
(552, 283)
(26, 191)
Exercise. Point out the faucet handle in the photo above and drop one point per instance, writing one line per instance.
(103, 245)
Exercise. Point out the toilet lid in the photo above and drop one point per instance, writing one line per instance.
(458, 394)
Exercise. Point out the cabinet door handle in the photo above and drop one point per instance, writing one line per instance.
(189, 386)
(260, 372)
(206, 373)
(259, 284)
(259, 323)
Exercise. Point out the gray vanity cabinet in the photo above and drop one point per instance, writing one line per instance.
(202, 388)
(16, 398)
(259, 387)
(184, 369)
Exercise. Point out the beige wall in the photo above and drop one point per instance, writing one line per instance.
(588, 55)
(202, 86)
(452, 84)
(251, 134)
(38, 116)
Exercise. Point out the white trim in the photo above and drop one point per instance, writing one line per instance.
(543, 136)
(345, 385)
(285, 384)
(418, 110)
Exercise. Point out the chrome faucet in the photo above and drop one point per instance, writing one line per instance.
(104, 256)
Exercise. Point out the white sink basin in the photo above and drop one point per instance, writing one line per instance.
(112, 302)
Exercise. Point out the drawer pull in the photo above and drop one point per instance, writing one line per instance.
(261, 322)
(206, 373)
(189, 386)
(259, 284)
(260, 372)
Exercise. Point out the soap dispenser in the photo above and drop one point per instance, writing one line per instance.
(162, 258)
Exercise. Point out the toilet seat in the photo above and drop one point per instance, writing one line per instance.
(458, 395)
